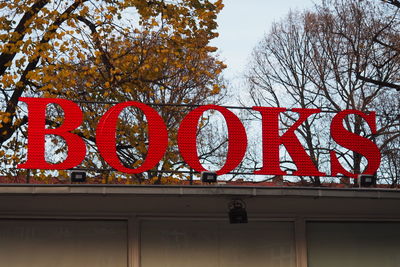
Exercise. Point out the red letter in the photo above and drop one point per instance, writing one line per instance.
(272, 141)
(236, 135)
(354, 142)
(37, 132)
(106, 134)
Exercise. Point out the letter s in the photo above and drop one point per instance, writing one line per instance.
(355, 143)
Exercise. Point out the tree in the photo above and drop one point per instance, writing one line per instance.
(385, 38)
(315, 59)
(105, 50)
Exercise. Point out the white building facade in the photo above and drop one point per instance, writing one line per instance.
(181, 226)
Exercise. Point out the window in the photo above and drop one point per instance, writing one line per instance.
(63, 243)
(355, 244)
(217, 243)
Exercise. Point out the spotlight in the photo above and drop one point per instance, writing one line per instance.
(78, 177)
(237, 211)
(366, 180)
(208, 177)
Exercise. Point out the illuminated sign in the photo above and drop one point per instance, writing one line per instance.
(158, 139)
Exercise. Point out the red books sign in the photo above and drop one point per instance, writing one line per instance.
(158, 139)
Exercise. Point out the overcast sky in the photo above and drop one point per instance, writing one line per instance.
(242, 25)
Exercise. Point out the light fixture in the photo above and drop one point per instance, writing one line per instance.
(78, 177)
(237, 211)
(208, 177)
(366, 180)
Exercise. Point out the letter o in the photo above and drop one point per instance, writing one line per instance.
(236, 135)
(106, 137)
